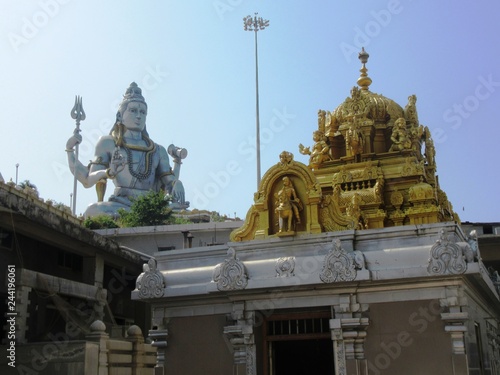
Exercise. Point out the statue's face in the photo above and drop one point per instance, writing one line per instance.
(134, 117)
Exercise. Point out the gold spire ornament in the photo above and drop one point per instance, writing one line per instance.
(364, 81)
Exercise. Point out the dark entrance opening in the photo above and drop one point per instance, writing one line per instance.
(303, 357)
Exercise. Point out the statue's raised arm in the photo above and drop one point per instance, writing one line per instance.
(129, 158)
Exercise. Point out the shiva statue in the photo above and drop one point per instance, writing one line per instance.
(129, 158)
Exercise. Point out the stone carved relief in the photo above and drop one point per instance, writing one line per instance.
(493, 334)
(230, 274)
(339, 265)
(240, 337)
(339, 351)
(151, 282)
(285, 267)
(449, 258)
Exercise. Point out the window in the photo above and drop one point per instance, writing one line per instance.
(69, 260)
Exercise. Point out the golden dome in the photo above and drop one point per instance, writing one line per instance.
(364, 104)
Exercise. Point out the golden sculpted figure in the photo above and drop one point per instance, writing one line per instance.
(354, 140)
(319, 152)
(399, 137)
(410, 111)
(288, 206)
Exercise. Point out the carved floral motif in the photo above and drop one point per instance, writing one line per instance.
(150, 283)
(339, 265)
(230, 274)
(449, 258)
(285, 266)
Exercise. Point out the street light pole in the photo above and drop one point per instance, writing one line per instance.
(255, 24)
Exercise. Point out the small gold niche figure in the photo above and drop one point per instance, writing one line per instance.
(288, 206)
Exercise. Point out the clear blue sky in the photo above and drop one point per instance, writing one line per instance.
(196, 66)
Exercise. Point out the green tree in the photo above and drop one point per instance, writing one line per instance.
(148, 209)
(100, 222)
(215, 216)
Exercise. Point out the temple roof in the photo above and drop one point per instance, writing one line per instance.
(371, 165)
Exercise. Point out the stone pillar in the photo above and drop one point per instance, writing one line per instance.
(22, 304)
(348, 332)
(241, 338)
(134, 335)
(98, 334)
(338, 347)
(159, 337)
(93, 274)
(455, 324)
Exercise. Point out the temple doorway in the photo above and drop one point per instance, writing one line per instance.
(299, 344)
(302, 357)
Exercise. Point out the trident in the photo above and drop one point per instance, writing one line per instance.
(78, 114)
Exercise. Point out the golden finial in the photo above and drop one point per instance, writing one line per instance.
(364, 81)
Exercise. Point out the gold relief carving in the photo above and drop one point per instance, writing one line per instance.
(321, 120)
(399, 137)
(320, 150)
(350, 155)
(331, 128)
(330, 215)
(356, 105)
(247, 231)
(285, 159)
(412, 167)
(446, 206)
(430, 151)
(421, 192)
(367, 195)
(410, 111)
(397, 199)
(368, 173)
(265, 211)
(353, 210)
(354, 140)
(416, 135)
(288, 206)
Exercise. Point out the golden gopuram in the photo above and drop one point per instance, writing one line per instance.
(371, 165)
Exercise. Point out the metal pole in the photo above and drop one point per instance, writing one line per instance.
(255, 24)
(75, 183)
(17, 168)
(257, 124)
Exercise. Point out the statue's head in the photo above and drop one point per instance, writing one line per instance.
(133, 94)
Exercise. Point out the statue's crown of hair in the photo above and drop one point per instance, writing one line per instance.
(133, 94)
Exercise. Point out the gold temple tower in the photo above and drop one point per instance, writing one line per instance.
(372, 165)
